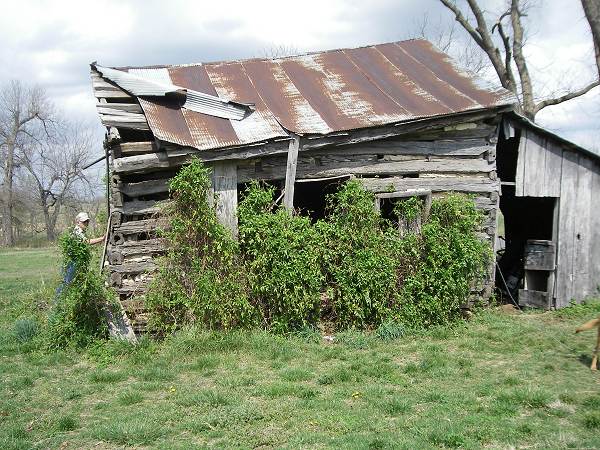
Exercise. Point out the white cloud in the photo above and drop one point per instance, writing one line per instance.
(52, 42)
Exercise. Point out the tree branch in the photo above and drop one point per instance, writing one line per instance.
(483, 38)
(528, 104)
(563, 98)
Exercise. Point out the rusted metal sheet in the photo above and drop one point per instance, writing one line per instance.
(283, 98)
(316, 94)
(206, 131)
(395, 83)
(441, 65)
(426, 79)
(230, 81)
(155, 82)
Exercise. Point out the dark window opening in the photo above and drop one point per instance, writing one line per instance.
(129, 135)
(310, 196)
(387, 202)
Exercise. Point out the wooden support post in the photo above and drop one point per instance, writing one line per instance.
(290, 173)
(225, 190)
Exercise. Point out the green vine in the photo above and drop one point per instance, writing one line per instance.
(201, 278)
(76, 318)
(352, 268)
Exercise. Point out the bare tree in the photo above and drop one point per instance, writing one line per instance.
(55, 170)
(592, 13)
(503, 41)
(21, 110)
(447, 38)
(278, 51)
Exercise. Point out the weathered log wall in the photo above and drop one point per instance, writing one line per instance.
(438, 155)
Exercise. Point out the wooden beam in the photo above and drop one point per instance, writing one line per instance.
(225, 190)
(434, 184)
(363, 165)
(290, 173)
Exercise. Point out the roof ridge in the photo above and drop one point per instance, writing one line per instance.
(278, 58)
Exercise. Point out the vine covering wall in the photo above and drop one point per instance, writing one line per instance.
(353, 268)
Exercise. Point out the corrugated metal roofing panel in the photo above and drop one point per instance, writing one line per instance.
(207, 131)
(155, 82)
(442, 66)
(230, 80)
(317, 93)
(282, 97)
(396, 83)
(430, 84)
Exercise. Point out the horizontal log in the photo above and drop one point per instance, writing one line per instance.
(134, 287)
(435, 184)
(273, 169)
(135, 148)
(142, 163)
(132, 121)
(145, 187)
(136, 207)
(134, 267)
(470, 147)
(247, 152)
(145, 247)
(141, 226)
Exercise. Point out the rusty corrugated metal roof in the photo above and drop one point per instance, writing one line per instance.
(318, 93)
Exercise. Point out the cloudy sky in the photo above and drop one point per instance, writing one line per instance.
(51, 43)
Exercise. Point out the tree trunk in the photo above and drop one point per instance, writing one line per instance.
(50, 220)
(7, 196)
(592, 13)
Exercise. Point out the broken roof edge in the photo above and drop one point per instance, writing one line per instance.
(565, 142)
(141, 86)
(393, 129)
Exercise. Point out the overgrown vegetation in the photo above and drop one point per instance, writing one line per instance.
(76, 317)
(282, 260)
(201, 279)
(353, 268)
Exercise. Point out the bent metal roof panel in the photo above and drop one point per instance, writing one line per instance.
(312, 94)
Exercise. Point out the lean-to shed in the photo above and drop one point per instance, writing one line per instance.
(551, 198)
(402, 117)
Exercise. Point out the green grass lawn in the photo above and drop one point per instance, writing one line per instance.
(499, 381)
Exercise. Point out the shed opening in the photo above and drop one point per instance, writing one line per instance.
(525, 219)
(310, 195)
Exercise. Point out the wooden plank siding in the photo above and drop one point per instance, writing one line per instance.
(545, 169)
(538, 167)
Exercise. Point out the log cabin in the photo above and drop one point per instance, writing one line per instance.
(401, 117)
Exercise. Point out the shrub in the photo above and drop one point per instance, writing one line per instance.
(352, 268)
(76, 317)
(358, 261)
(441, 263)
(201, 279)
(282, 258)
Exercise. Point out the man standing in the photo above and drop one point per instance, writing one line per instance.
(82, 221)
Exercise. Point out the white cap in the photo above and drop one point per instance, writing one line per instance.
(82, 217)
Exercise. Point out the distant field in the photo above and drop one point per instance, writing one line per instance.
(500, 381)
(24, 269)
